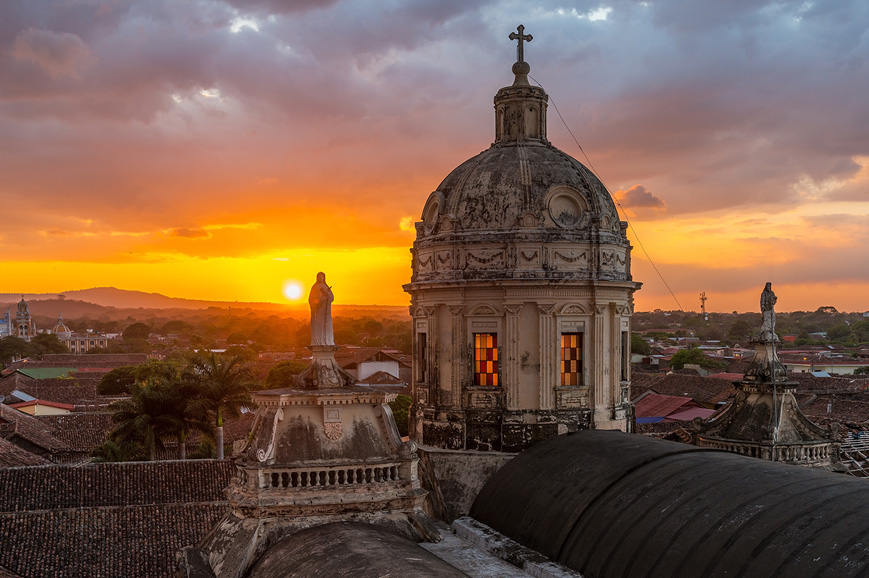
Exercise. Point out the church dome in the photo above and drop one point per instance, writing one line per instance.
(519, 186)
(61, 327)
(522, 209)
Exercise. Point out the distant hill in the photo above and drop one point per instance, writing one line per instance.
(124, 299)
(109, 302)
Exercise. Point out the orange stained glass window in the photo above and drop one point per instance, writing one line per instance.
(485, 359)
(571, 359)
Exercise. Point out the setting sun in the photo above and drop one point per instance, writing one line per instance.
(292, 290)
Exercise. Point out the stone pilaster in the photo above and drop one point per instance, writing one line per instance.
(458, 360)
(615, 378)
(510, 371)
(431, 354)
(600, 375)
(548, 356)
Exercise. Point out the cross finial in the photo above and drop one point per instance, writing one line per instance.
(521, 37)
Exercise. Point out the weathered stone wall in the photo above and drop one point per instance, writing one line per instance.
(454, 478)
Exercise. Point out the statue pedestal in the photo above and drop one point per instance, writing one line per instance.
(765, 366)
(323, 372)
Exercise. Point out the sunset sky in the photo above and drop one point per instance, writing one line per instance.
(230, 149)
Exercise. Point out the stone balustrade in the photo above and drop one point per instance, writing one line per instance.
(794, 453)
(312, 477)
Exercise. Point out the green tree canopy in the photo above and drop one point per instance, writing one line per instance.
(401, 411)
(223, 385)
(283, 374)
(640, 345)
(12, 347)
(838, 332)
(120, 380)
(148, 417)
(740, 330)
(237, 338)
(43, 343)
(161, 406)
(177, 326)
(137, 331)
(693, 356)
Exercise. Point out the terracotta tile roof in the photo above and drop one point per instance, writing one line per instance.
(17, 424)
(656, 405)
(689, 414)
(811, 384)
(82, 432)
(350, 356)
(5, 573)
(727, 376)
(704, 390)
(13, 381)
(847, 411)
(73, 391)
(12, 456)
(113, 484)
(43, 402)
(658, 430)
(382, 378)
(107, 519)
(136, 541)
(645, 379)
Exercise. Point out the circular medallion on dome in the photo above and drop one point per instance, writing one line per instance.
(565, 208)
(431, 211)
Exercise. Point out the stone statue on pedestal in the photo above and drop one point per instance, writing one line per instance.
(767, 309)
(323, 372)
(320, 299)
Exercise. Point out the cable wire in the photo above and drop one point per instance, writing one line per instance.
(615, 200)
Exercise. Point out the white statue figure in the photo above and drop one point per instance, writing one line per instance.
(767, 309)
(320, 301)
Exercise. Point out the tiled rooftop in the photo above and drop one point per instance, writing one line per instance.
(12, 456)
(107, 520)
(17, 424)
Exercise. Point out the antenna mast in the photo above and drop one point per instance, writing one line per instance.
(703, 306)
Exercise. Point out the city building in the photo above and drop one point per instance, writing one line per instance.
(81, 342)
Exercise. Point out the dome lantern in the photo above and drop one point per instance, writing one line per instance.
(520, 109)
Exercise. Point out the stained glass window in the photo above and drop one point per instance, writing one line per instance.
(571, 359)
(485, 359)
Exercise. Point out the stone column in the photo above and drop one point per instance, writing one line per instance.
(510, 368)
(431, 354)
(615, 377)
(600, 374)
(459, 357)
(548, 357)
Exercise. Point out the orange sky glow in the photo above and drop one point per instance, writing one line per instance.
(228, 150)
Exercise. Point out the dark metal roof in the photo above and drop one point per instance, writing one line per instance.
(350, 549)
(609, 504)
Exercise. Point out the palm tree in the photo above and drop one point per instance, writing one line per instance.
(148, 416)
(116, 451)
(188, 411)
(224, 386)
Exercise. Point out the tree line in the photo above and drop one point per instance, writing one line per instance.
(171, 402)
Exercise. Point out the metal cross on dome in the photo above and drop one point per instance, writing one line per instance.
(520, 52)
